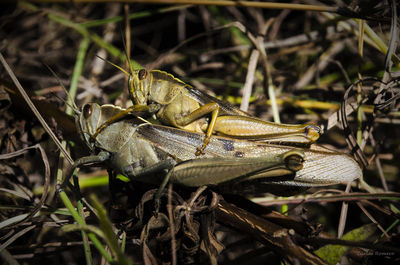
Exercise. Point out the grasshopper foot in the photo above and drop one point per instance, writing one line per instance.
(200, 151)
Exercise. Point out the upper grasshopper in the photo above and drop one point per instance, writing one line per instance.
(178, 104)
(138, 149)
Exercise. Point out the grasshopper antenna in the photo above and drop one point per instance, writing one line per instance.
(76, 110)
(113, 64)
(34, 109)
(119, 68)
(70, 102)
(128, 60)
(126, 53)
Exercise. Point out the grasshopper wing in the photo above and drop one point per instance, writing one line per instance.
(321, 167)
(326, 167)
(182, 144)
(218, 167)
(225, 107)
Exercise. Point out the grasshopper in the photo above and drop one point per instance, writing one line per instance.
(128, 147)
(178, 104)
(137, 149)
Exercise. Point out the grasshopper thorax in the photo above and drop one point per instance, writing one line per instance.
(94, 116)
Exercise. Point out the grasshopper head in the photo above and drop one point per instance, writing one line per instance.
(139, 86)
(139, 83)
(87, 122)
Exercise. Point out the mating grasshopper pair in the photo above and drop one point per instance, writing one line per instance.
(138, 149)
(256, 151)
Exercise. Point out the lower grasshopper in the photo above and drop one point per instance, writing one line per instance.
(128, 147)
(180, 105)
(136, 149)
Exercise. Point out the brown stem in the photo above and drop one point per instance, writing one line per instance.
(276, 237)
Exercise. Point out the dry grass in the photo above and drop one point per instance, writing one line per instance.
(295, 66)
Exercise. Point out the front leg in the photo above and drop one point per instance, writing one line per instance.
(135, 109)
(100, 157)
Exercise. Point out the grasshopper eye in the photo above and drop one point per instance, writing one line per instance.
(142, 74)
(87, 111)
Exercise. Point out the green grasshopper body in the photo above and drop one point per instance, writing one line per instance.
(179, 105)
(136, 149)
